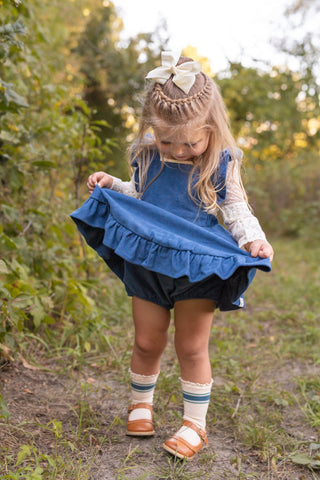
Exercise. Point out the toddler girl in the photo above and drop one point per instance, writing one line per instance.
(159, 233)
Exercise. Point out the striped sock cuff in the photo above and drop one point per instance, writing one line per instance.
(142, 387)
(196, 397)
(197, 393)
(139, 387)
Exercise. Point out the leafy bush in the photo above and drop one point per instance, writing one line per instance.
(286, 195)
(48, 142)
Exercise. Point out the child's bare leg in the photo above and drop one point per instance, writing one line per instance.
(193, 319)
(151, 323)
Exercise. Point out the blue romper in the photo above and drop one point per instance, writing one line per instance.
(164, 247)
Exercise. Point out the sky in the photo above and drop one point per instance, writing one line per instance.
(238, 30)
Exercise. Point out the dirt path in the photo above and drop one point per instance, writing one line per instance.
(92, 410)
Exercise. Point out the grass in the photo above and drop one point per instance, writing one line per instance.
(264, 417)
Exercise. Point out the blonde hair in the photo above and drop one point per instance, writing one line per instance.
(168, 105)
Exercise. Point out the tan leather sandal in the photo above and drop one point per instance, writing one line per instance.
(141, 427)
(179, 447)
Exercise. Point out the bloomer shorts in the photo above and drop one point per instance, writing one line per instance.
(165, 291)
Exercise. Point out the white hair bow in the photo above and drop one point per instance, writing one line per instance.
(184, 75)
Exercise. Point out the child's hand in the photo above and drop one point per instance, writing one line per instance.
(99, 178)
(260, 248)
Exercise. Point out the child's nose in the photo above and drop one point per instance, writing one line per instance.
(178, 149)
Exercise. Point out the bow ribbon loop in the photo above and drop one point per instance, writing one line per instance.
(184, 75)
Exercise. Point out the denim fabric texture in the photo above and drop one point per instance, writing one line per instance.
(189, 254)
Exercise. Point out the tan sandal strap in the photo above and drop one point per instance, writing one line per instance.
(140, 405)
(185, 443)
(202, 434)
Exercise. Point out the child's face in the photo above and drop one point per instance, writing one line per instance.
(182, 145)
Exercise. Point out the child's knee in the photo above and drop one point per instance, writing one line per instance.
(150, 346)
(192, 351)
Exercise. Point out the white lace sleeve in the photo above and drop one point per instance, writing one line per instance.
(242, 224)
(127, 188)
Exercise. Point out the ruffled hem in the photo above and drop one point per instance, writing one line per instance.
(122, 228)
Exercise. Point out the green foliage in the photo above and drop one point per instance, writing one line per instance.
(285, 195)
(4, 412)
(271, 112)
(275, 116)
(310, 389)
(312, 461)
(32, 464)
(114, 73)
(10, 101)
(48, 141)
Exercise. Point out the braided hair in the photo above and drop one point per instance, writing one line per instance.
(166, 105)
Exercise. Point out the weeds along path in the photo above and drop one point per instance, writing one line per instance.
(62, 421)
(73, 427)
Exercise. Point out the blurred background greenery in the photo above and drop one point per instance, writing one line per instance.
(69, 99)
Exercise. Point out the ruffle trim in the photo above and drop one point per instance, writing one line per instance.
(117, 239)
(115, 242)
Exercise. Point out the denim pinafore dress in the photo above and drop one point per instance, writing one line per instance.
(166, 232)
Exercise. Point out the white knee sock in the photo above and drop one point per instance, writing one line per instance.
(196, 397)
(142, 389)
